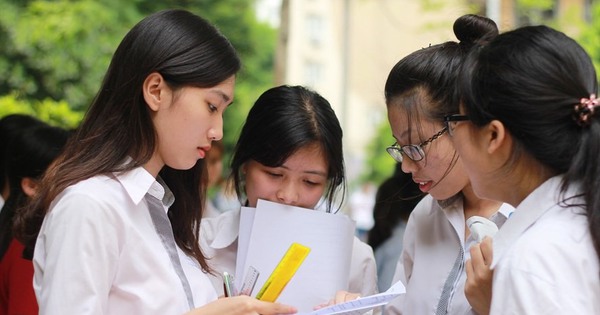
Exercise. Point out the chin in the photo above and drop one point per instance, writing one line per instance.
(183, 165)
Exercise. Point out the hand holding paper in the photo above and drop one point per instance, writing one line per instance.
(362, 305)
(261, 245)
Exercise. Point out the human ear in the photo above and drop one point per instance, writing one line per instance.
(156, 91)
(29, 186)
(497, 136)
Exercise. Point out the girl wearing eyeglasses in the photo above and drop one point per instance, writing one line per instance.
(420, 93)
(533, 141)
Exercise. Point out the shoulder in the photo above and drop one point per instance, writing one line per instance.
(561, 237)
(560, 233)
(96, 198)
(100, 188)
(361, 249)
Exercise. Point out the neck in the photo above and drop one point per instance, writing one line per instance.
(522, 180)
(474, 205)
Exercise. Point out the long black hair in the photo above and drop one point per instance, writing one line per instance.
(283, 120)
(424, 83)
(187, 51)
(531, 79)
(434, 70)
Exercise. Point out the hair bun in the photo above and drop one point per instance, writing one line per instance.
(473, 29)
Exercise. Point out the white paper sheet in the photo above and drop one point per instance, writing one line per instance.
(362, 305)
(326, 268)
(245, 230)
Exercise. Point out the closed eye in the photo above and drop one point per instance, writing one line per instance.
(212, 108)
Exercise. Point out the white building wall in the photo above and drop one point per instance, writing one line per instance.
(379, 33)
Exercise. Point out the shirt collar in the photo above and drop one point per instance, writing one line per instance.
(502, 215)
(534, 206)
(137, 182)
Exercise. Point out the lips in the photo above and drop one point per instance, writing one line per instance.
(424, 186)
(202, 151)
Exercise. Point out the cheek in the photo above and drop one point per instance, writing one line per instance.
(258, 186)
(312, 196)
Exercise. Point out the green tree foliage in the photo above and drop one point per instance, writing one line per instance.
(589, 36)
(380, 165)
(57, 51)
(54, 113)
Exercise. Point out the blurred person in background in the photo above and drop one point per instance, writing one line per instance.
(214, 167)
(361, 204)
(32, 151)
(10, 125)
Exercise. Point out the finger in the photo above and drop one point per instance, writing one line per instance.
(344, 296)
(469, 270)
(477, 257)
(268, 308)
(322, 305)
(487, 250)
(470, 283)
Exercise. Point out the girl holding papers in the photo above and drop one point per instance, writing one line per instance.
(289, 152)
(120, 205)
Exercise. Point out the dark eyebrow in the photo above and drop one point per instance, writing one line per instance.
(224, 96)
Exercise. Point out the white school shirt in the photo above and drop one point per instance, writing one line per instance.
(219, 242)
(434, 235)
(544, 260)
(98, 252)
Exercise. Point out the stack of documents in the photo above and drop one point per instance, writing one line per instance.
(268, 231)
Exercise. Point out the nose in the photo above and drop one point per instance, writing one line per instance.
(216, 132)
(287, 194)
(408, 166)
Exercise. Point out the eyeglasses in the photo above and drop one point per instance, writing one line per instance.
(412, 151)
(451, 120)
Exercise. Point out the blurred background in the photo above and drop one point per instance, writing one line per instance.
(53, 54)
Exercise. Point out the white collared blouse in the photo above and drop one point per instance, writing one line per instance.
(544, 260)
(434, 237)
(98, 252)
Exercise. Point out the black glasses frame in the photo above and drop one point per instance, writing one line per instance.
(454, 118)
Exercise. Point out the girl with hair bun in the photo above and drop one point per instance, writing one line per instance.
(420, 91)
(530, 137)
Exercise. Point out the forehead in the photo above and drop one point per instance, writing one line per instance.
(312, 153)
(409, 124)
